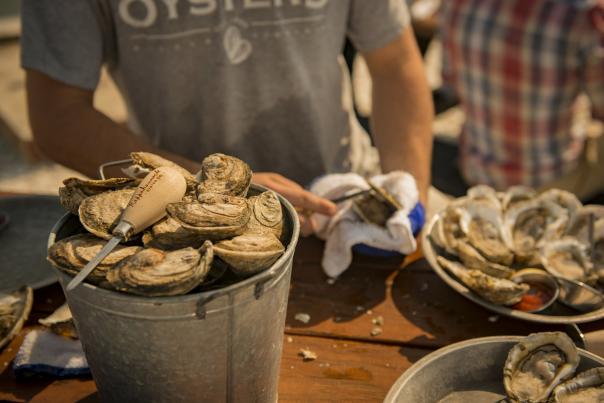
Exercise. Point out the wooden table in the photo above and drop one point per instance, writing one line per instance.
(420, 314)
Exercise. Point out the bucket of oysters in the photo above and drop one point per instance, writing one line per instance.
(194, 306)
(529, 255)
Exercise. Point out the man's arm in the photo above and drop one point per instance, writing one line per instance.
(402, 113)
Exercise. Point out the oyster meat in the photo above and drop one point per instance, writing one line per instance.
(61, 322)
(14, 311)
(375, 207)
(71, 254)
(146, 162)
(536, 365)
(250, 253)
(266, 214)
(588, 386)
(499, 291)
(528, 225)
(482, 225)
(75, 190)
(155, 273)
(214, 216)
(224, 174)
(568, 258)
(100, 213)
(169, 234)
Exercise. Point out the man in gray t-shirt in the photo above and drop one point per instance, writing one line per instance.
(258, 79)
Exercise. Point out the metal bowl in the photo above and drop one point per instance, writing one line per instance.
(538, 280)
(557, 313)
(470, 371)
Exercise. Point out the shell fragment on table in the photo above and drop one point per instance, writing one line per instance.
(154, 272)
(536, 365)
(224, 174)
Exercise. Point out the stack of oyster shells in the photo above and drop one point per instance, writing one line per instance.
(541, 369)
(487, 236)
(217, 227)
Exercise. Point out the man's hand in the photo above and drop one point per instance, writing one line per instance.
(305, 202)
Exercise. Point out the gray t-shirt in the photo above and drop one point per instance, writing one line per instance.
(258, 79)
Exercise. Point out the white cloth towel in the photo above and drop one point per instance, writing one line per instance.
(43, 352)
(346, 229)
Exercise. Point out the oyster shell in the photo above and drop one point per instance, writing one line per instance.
(568, 258)
(482, 224)
(528, 225)
(100, 213)
(155, 273)
(75, 190)
(214, 216)
(169, 234)
(250, 253)
(14, 311)
(375, 207)
(580, 227)
(536, 365)
(588, 386)
(472, 259)
(266, 214)
(224, 174)
(564, 199)
(447, 229)
(61, 322)
(517, 194)
(499, 291)
(71, 254)
(149, 161)
(485, 194)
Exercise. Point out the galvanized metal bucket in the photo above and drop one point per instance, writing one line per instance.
(215, 346)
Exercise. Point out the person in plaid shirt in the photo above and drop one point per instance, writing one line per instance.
(519, 67)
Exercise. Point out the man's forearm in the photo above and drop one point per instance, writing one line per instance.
(70, 131)
(402, 115)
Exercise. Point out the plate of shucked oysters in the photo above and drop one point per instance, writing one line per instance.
(539, 368)
(221, 231)
(528, 255)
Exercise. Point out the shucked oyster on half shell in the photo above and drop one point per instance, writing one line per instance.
(224, 174)
(266, 214)
(536, 365)
(14, 311)
(99, 214)
(499, 291)
(568, 258)
(169, 234)
(214, 216)
(75, 190)
(588, 386)
(148, 161)
(250, 253)
(71, 254)
(375, 207)
(156, 273)
(580, 227)
(528, 225)
(564, 199)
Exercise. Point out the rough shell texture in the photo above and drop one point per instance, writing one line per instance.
(99, 214)
(61, 322)
(447, 230)
(517, 194)
(530, 224)
(499, 291)
(580, 227)
(152, 161)
(224, 174)
(482, 224)
(485, 194)
(472, 259)
(536, 365)
(154, 272)
(588, 386)
(568, 258)
(75, 190)
(169, 234)
(564, 199)
(250, 253)
(213, 216)
(14, 311)
(266, 214)
(71, 254)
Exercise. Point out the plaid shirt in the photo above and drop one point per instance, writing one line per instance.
(518, 67)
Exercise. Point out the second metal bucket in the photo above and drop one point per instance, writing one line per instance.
(215, 346)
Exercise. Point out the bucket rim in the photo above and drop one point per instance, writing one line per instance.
(260, 277)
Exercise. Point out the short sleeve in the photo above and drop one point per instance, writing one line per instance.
(62, 38)
(373, 24)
